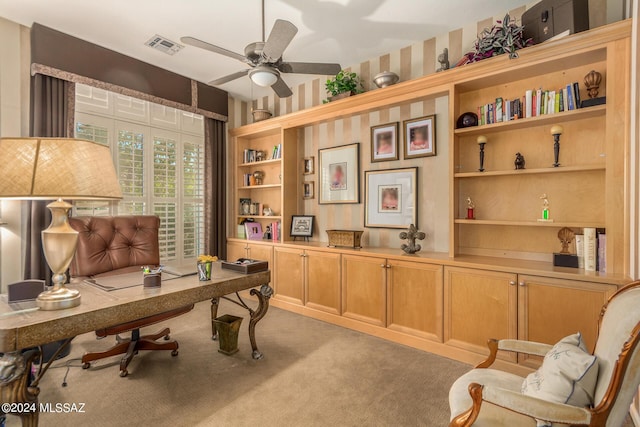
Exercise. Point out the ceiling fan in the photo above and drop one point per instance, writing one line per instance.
(265, 59)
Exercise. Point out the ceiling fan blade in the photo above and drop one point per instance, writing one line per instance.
(212, 48)
(279, 38)
(225, 79)
(310, 68)
(281, 89)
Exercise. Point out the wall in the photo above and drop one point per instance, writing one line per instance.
(14, 121)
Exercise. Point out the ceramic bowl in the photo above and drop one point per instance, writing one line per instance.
(386, 78)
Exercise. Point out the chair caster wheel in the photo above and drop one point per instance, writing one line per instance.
(124, 373)
(86, 365)
(174, 353)
(167, 337)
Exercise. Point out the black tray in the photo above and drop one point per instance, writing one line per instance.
(246, 265)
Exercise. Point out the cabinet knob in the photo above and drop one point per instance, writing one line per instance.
(382, 266)
(388, 266)
(512, 282)
(301, 254)
(522, 283)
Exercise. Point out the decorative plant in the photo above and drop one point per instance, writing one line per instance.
(344, 82)
(504, 37)
(207, 258)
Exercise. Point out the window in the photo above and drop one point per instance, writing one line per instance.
(159, 156)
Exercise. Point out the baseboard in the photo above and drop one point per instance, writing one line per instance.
(421, 343)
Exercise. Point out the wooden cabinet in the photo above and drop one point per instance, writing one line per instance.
(482, 304)
(479, 305)
(414, 299)
(244, 249)
(364, 289)
(308, 277)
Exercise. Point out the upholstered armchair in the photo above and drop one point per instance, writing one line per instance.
(489, 397)
(108, 246)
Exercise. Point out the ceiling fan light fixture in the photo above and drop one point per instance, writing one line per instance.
(264, 76)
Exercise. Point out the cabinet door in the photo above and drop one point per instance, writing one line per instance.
(364, 289)
(550, 309)
(288, 274)
(414, 299)
(479, 305)
(261, 252)
(323, 281)
(236, 250)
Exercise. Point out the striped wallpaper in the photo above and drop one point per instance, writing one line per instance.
(433, 189)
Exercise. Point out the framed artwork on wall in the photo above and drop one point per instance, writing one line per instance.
(384, 142)
(339, 174)
(308, 166)
(391, 198)
(308, 190)
(420, 137)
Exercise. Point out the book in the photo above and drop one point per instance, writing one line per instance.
(499, 110)
(564, 99)
(570, 99)
(539, 104)
(602, 252)
(590, 249)
(576, 94)
(580, 250)
(527, 103)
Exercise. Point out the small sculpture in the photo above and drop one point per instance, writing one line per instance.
(592, 82)
(259, 176)
(566, 236)
(443, 59)
(411, 235)
(556, 131)
(482, 140)
(267, 233)
(470, 207)
(545, 208)
(519, 162)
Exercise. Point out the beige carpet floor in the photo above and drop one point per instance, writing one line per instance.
(313, 374)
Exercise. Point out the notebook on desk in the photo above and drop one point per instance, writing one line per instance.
(180, 270)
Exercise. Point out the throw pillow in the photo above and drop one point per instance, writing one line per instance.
(568, 375)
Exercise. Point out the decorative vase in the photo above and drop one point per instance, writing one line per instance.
(204, 270)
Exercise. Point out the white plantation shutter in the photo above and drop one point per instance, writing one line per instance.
(161, 170)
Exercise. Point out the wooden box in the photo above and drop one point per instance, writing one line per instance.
(345, 238)
(246, 265)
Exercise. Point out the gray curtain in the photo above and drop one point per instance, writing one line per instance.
(215, 182)
(51, 115)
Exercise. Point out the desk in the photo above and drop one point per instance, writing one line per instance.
(99, 309)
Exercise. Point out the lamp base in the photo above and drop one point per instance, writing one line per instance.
(58, 299)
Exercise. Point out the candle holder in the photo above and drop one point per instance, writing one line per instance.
(482, 140)
(556, 131)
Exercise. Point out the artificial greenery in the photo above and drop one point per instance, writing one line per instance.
(504, 37)
(344, 82)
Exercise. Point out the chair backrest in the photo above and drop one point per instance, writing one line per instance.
(618, 354)
(107, 243)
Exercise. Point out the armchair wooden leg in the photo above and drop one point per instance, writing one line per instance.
(470, 416)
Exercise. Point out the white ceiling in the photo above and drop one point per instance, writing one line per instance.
(344, 31)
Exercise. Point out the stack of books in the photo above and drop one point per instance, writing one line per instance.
(591, 248)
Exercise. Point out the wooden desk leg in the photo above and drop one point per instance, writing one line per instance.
(215, 302)
(263, 295)
(15, 386)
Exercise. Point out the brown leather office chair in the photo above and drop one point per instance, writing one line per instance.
(113, 245)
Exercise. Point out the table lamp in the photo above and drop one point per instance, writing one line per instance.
(57, 169)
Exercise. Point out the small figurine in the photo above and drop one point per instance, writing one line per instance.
(411, 235)
(519, 162)
(470, 207)
(267, 233)
(566, 236)
(592, 82)
(443, 59)
(545, 208)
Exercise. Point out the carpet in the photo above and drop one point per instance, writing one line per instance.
(313, 374)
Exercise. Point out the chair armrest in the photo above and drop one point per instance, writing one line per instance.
(528, 347)
(534, 407)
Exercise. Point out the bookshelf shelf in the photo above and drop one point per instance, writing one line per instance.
(258, 187)
(263, 162)
(561, 169)
(556, 224)
(274, 217)
(565, 116)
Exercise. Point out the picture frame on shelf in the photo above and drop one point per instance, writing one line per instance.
(391, 198)
(302, 226)
(253, 230)
(339, 174)
(308, 166)
(384, 142)
(308, 188)
(420, 137)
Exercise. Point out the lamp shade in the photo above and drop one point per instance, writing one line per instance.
(52, 168)
(263, 76)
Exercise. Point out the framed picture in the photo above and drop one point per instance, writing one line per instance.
(308, 190)
(384, 142)
(391, 198)
(302, 225)
(253, 230)
(340, 174)
(308, 166)
(420, 137)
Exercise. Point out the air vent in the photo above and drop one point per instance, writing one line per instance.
(164, 45)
